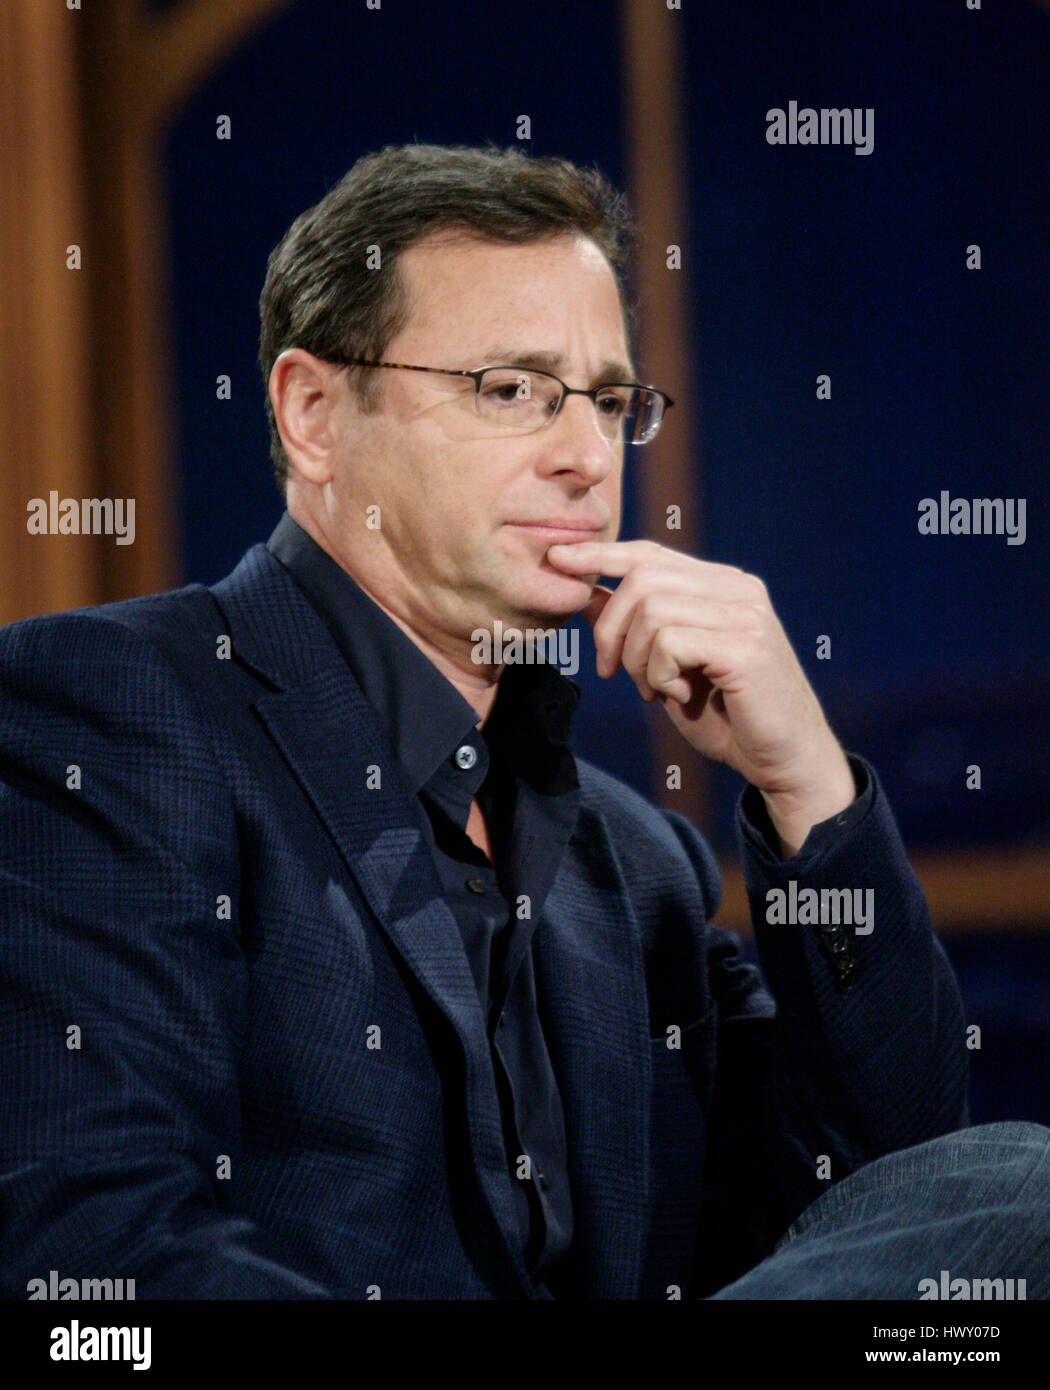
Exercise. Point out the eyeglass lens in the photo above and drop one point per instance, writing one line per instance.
(526, 400)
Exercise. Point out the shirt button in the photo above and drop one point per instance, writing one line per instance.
(466, 757)
(476, 885)
(502, 1021)
(541, 1178)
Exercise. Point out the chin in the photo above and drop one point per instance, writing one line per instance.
(527, 590)
(550, 596)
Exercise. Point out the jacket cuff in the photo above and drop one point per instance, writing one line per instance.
(757, 833)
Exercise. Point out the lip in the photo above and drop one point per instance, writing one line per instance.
(559, 531)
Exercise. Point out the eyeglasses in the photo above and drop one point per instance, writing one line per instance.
(521, 400)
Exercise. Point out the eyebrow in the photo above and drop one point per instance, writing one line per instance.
(612, 369)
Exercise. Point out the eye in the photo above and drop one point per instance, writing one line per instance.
(509, 392)
(613, 404)
(502, 392)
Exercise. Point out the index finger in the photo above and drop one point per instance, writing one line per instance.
(611, 558)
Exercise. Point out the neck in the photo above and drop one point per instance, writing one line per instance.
(476, 683)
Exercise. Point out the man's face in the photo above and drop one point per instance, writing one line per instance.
(460, 499)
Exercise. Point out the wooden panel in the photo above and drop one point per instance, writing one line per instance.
(85, 409)
(1004, 890)
(668, 470)
(177, 50)
(44, 407)
(131, 362)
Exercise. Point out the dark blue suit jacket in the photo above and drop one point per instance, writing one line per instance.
(209, 921)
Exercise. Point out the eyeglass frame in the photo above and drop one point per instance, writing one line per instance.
(478, 372)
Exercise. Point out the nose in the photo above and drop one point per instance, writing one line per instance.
(573, 441)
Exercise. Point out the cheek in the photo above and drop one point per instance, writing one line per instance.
(472, 494)
(449, 518)
(612, 494)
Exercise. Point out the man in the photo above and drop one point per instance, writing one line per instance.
(328, 970)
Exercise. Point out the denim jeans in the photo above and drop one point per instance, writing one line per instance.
(974, 1204)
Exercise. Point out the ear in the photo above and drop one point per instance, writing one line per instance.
(304, 392)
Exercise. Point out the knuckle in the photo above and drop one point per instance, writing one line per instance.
(760, 594)
(649, 608)
(662, 641)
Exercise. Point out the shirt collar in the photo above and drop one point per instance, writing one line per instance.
(530, 716)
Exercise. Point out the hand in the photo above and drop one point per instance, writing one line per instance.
(704, 640)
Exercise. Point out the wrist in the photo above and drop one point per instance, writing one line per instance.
(794, 812)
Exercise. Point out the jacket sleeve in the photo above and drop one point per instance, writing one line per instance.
(123, 983)
(814, 1079)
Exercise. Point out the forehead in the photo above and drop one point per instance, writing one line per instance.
(456, 281)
